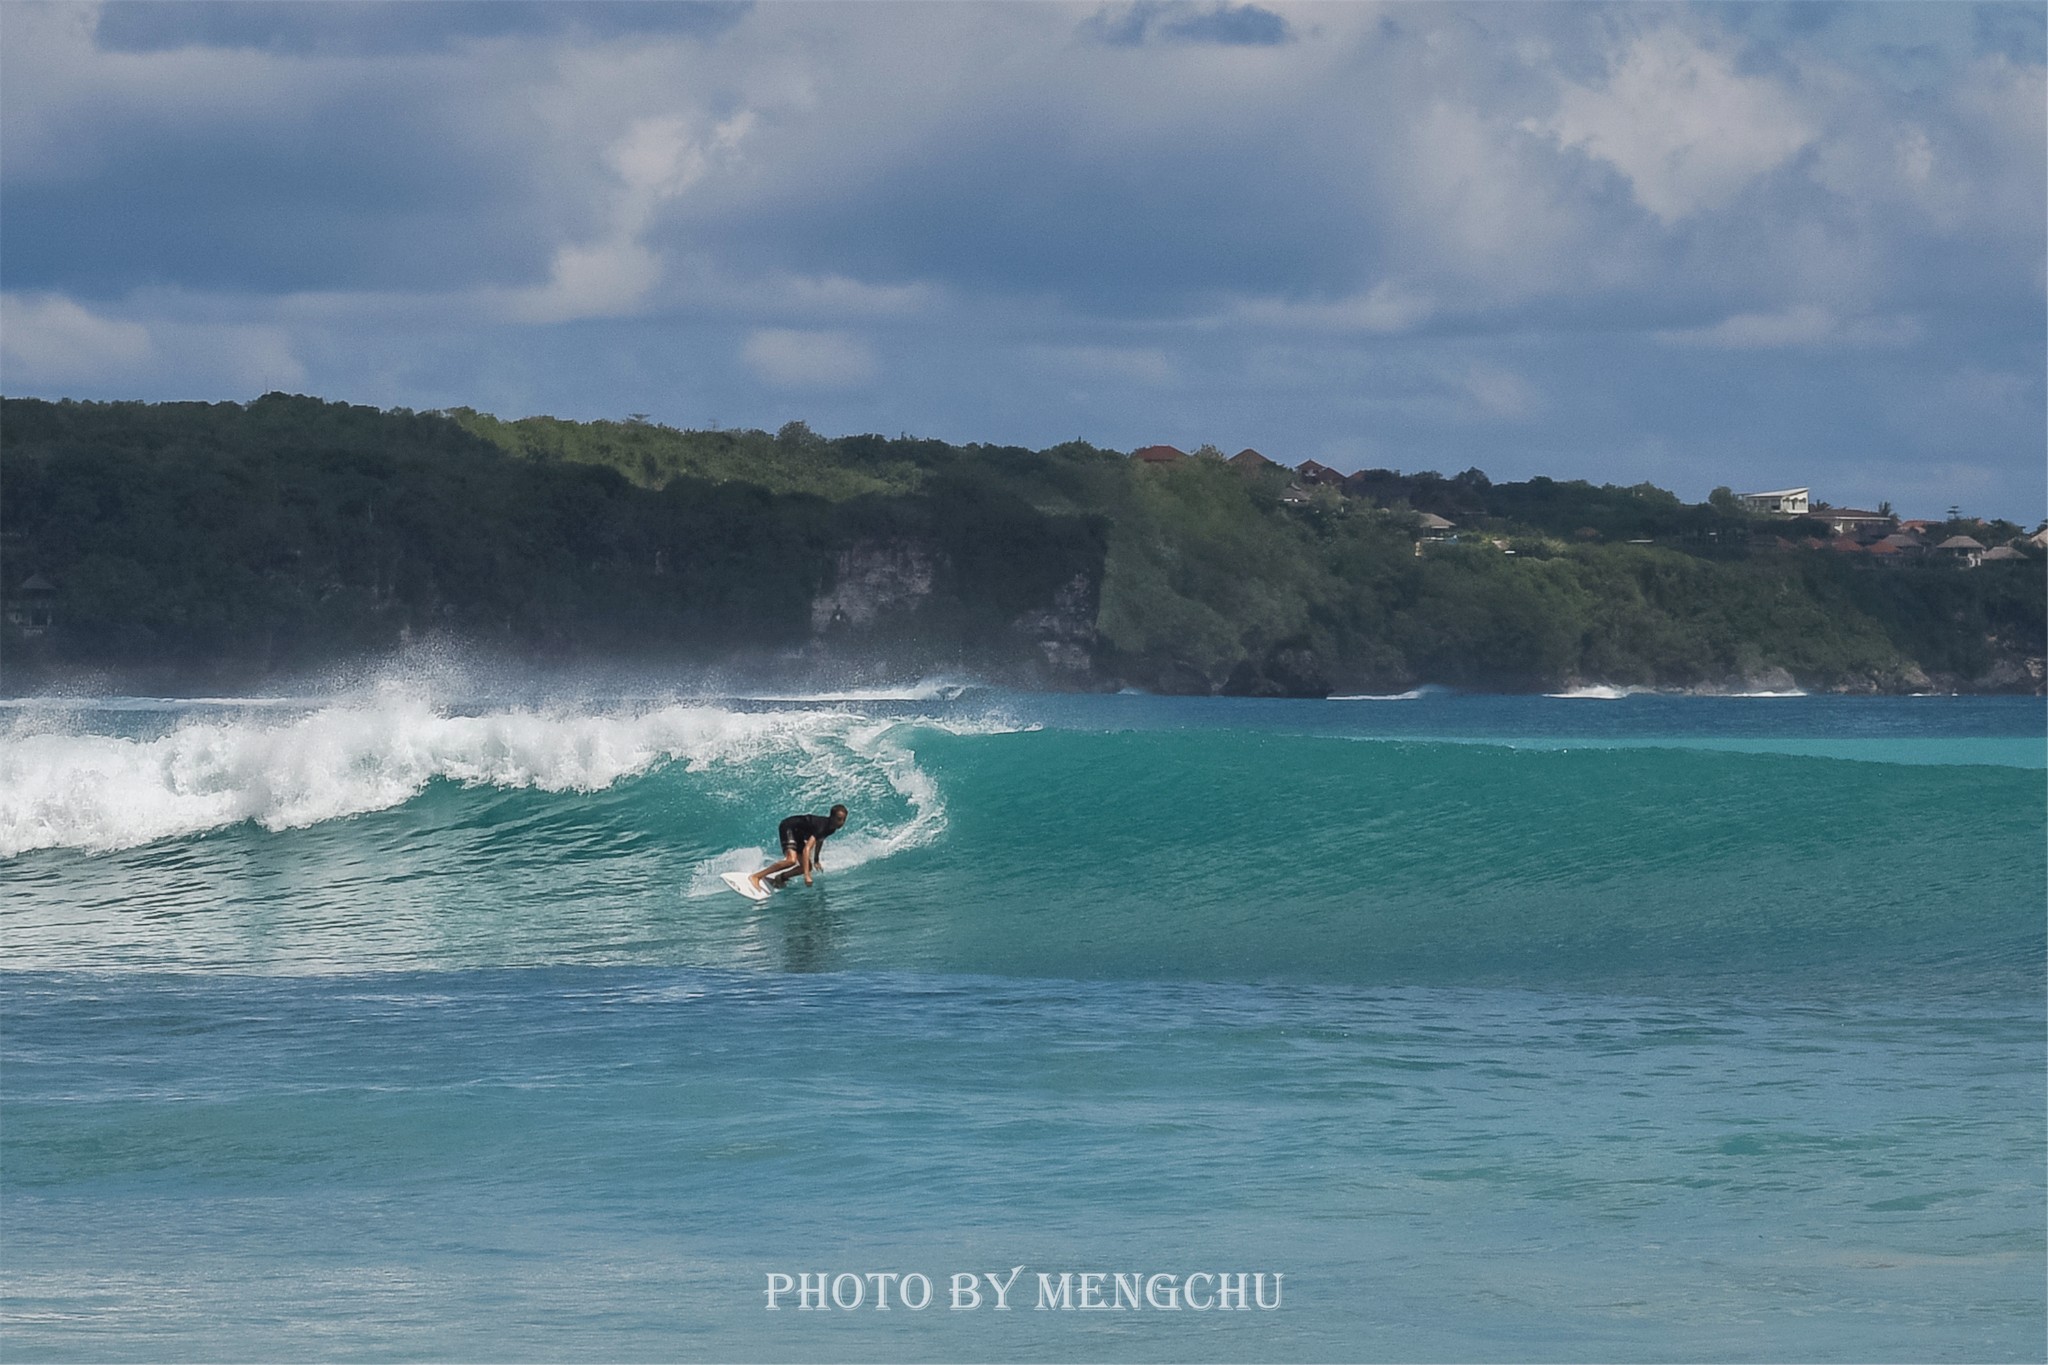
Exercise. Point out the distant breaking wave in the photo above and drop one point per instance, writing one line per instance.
(1609, 692)
(1601, 692)
(1413, 694)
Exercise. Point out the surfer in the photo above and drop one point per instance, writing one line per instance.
(803, 836)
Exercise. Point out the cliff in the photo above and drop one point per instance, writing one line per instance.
(174, 546)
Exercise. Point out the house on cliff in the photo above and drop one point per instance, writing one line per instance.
(1250, 461)
(1158, 455)
(1854, 521)
(1965, 550)
(1782, 502)
(1312, 473)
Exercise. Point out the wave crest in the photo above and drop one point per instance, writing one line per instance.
(99, 792)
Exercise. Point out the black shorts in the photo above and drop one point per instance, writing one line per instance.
(799, 830)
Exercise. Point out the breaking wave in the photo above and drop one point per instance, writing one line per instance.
(210, 768)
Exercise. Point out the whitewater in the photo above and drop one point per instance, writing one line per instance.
(411, 1018)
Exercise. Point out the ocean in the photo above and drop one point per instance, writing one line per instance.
(413, 1021)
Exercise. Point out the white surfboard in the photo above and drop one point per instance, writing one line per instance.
(738, 882)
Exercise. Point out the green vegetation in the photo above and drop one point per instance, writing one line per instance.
(230, 541)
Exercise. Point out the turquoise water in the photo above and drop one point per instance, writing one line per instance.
(415, 1022)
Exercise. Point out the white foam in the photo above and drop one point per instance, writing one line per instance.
(929, 689)
(1601, 692)
(59, 703)
(60, 788)
(1416, 694)
(1606, 692)
(878, 744)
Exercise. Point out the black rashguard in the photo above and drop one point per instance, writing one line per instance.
(798, 828)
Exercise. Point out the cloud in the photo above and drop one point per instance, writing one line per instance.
(1394, 227)
(1149, 366)
(364, 28)
(1502, 392)
(47, 338)
(1227, 25)
(792, 359)
(1803, 325)
(656, 160)
(1676, 117)
(1389, 307)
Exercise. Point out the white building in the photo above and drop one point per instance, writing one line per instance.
(1785, 502)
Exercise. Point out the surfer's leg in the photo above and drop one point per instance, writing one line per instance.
(779, 869)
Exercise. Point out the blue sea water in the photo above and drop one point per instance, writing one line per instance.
(415, 1023)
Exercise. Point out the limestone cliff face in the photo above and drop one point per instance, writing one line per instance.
(882, 590)
(1064, 632)
(871, 581)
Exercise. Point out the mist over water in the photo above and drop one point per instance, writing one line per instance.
(1507, 1027)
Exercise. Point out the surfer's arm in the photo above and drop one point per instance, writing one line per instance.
(807, 856)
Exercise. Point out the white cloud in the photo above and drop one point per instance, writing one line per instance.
(1483, 216)
(247, 359)
(1388, 307)
(1688, 130)
(1801, 325)
(1502, 392)
(1368, 213)
(655, 161)
(49, 339)
(795, 359)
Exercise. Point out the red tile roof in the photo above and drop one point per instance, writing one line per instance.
(1158, 454)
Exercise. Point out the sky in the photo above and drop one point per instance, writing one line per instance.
(1754, 245)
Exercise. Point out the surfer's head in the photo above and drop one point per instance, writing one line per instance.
(838, 816)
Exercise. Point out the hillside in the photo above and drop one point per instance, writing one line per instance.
(212, 545)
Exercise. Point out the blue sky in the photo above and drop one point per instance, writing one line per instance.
(1757, 245)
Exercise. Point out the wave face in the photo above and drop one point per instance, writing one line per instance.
(1459, 839)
